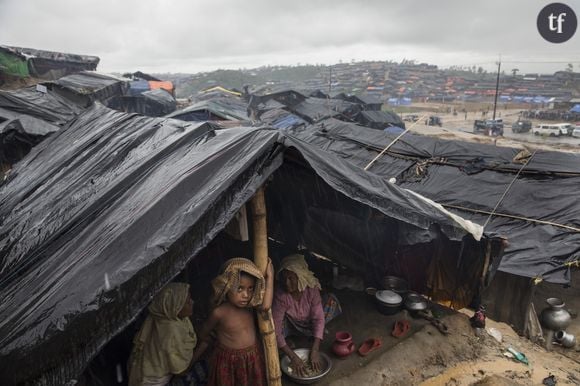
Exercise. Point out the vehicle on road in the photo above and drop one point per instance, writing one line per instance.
(490, 127)
(411, 118)
(553, 129)
(433, 120)
(576, 130)
(521, 126)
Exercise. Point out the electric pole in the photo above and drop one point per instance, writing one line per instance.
(496, 88)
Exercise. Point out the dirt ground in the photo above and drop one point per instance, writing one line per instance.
(427, 357)
(461, 127)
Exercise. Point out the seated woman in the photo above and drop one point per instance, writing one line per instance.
(299, 308)
(164, 345)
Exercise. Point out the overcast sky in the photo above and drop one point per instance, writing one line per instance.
(204, 35)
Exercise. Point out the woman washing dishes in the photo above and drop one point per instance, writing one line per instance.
(299, 309)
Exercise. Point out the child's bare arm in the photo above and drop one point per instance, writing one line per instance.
(269, 293)
(204, 335)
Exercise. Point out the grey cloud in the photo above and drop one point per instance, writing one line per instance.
(193, 34)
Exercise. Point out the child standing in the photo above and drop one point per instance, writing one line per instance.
(237, 358)
(164, 346)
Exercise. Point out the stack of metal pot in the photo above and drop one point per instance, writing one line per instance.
(556, 318)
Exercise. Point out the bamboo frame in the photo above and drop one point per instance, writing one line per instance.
(265, 321)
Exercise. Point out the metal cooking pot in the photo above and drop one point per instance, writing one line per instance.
(415, 302)
(395, 284)
(388, 302)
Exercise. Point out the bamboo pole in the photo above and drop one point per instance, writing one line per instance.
(265, 321)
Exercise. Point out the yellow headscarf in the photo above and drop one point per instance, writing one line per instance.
(297, 264)
(165, 343)
(230, 277)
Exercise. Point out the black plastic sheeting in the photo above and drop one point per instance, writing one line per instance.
(475, 176)
(85, 87)
(229, 108)
(374, 191)
(316, 109)
(47, 106)
(99, 217)
(153, 103)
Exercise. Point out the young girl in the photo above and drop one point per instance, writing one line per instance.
(237, 358)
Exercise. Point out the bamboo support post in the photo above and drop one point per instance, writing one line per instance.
(265, 321)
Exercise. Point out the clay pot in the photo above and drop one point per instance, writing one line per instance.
(565, 339)
(343, 345)
(555, 317)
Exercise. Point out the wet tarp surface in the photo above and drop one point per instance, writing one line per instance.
(281, 119)
(315, 109)
(226, 108)
(99, 217)
(50, 64)
(474, 177)
(86, 87)
(19, 133)
(47, 106)
(380, 119)
(165, 100)
(153, 103)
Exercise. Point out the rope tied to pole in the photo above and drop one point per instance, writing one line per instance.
(508, 188)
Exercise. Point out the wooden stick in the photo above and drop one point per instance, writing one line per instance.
(391, 144)
(265, 321)
(513, 217)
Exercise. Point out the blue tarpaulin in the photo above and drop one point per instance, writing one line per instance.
(137, 87)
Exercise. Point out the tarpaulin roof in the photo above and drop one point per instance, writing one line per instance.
(49, 64)
(48, 106)
(281, 119)
(19, 133)
(153, 103)
(315, 109)
(136, 87)
(86, 87)
(54, 56)
(166, 85)
(226, 108)
(474, 177)
(98, 218)
(382, 117)
(364, 99)
(160, 96)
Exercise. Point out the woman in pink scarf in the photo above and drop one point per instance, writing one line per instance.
(298, 308)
